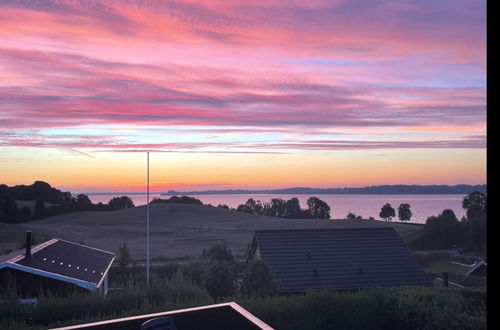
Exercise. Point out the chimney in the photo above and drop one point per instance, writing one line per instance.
(27, 255)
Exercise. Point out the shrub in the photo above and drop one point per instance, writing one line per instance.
(123, 255)
(220, 280)
(219, 252)
(391, 308)
(258, 280)
(163, 294)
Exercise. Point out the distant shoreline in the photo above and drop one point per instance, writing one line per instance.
(372, 190)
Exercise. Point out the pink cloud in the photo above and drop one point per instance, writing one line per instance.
(403, 67)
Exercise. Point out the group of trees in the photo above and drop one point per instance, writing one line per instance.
(178, 200)
(316, 208)
(39, 200)
(277, 207)
(446, 231)
(222, 275)
(404, 212)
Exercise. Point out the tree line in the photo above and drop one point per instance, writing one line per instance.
(48, 201)
(45, 201)
(316, 208)
(277, 207)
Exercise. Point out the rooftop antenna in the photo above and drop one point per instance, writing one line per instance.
(147, 225)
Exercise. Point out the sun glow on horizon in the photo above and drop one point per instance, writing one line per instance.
(242, 95)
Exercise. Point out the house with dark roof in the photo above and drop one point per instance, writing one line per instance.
(58, 266)
(225, 316)
(342, 259)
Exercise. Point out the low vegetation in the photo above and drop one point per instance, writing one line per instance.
(391, 308)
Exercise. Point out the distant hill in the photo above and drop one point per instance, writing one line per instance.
(371, 190)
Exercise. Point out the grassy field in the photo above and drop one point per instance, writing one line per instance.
(176, 230)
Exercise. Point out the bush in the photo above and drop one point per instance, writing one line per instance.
(391, 308)
(320, 310)
(123, 255)
(164, 294)
(437, 309)
(219, 252)
(258, 280)
(220, 280)
(382, 308)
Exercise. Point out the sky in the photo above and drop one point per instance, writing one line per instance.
(242, 94)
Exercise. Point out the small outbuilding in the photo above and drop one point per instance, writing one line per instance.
(341, 259)
(58, 266)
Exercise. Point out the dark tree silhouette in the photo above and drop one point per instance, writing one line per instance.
(441, 231)
(292, 208)
(251, 206)
(83, 202)
(352, 216)
(276, 208)
(387, 212)
(118, 203)
(475, 223)
(404, 212)
(255, 206)
(475, 204)
(244, 208)
(318, 208)
(178, 200)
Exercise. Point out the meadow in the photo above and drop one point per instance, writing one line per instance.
(176, 230)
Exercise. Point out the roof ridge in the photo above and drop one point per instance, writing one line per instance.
(34, 249)
(85, 246)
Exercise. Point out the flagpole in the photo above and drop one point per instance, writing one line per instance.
(147, 227)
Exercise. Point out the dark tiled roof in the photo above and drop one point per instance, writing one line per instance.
(69, 259)
(344, 259)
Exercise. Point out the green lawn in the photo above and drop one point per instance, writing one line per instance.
(445, 265)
